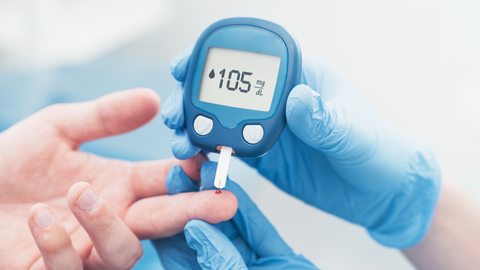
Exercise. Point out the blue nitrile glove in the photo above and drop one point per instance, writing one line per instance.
(247, 240)
(339, 155)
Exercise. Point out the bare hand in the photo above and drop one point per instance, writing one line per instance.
(97, 225)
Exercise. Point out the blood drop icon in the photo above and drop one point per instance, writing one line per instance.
(212, 74)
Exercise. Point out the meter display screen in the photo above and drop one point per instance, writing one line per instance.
(238, 78)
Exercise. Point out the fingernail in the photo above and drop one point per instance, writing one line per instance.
(43, 218)
(88, 201)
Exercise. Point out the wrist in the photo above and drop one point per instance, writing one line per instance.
(408, 215)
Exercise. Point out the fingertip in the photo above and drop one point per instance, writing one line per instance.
(223, 203)
(299, 101)
(49, 234)
(150, 100)
(148, 96)
(126, 110)
(52, 239)
(168, 215)
(303, 91)
(87, 206)
(75, 192)
(145, 101)
(309, 117)
(35, 208)
(114, 242)
(213, 207)
(39, 216)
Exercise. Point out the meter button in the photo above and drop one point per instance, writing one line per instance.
(202, 125)
(253, 133)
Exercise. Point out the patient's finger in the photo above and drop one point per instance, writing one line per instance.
(52, 239)
(109, 115)
(167, 215)
(115, 246)
(148, 177)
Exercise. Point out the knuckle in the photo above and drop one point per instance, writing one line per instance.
(133, 258)
(105, 223)
(126, 259)
(53, 244)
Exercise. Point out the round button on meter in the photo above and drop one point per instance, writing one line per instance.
(253, 133)
(202, 125)
(239, 76)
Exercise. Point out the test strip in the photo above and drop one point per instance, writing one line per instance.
(222, 168)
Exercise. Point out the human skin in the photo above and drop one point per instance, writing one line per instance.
(43, 175)
(453, 239)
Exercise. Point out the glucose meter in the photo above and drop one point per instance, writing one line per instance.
(239, 77)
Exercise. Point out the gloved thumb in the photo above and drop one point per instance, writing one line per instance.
(317, 123)
(214, 250)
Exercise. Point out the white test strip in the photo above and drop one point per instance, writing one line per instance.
(222, 168)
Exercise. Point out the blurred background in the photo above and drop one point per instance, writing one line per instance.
(417, 62)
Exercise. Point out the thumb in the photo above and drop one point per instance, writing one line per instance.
(319, 124)
(214, 249)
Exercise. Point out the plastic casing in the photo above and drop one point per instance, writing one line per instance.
(248, 34)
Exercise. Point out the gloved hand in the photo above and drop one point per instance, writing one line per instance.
(247, 240)
(339, 155)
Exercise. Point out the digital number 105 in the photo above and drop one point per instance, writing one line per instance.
(235, 73)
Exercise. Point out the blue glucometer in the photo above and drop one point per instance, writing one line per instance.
(239, 77)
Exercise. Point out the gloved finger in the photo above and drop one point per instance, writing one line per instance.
(182, 148)
(319, 124)
(214, 249)
(109, 115)
(227, 227)
(207, 174)
(297, 262)
(252, 224)
(172, 110)
(115, 246)
(175, 253)
(179, 64)
(164, 216)
(150, 178)
(52, 239)
(178, 182)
